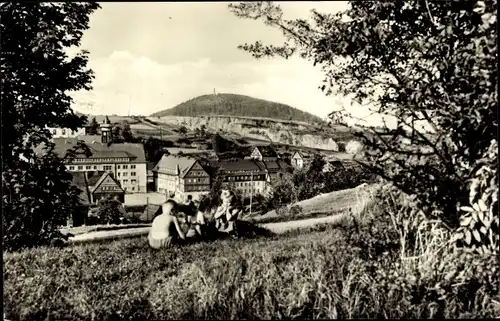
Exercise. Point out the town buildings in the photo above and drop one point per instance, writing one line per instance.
(247, 175)
(97, 185)
(126, 161)
(181, 176)
(66, 132)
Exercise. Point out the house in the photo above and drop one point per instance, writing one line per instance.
(264, 153)
(245, 175)
(66, 132)
(274, 169)
(332, 165)
(181, 175)
(126, 161)
(96, 186)
(300, 160)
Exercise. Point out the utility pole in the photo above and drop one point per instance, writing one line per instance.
(147, 208)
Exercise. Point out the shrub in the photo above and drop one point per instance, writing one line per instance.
(295, 210)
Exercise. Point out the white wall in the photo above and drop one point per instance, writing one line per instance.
(66, 132)
(124, 176)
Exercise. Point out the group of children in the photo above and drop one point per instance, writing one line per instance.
(167, 227)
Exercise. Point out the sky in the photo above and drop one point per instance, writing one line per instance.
(150, 56)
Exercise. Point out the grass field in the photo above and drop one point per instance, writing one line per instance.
(324, 272)
(338, 202)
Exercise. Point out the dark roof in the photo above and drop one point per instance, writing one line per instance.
(267, 151)
(240, 165)
(303, 155)
(150, 166)
(101, 179)
(98, 149)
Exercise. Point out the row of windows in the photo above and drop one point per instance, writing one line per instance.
(125, 166)
(101, 160)
(241, 184)
(196, 180)
(63, 131)
(246, 178)
(109, 188)
(125, 174)
(125, 181)
(196, 188)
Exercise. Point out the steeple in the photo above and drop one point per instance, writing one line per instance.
(106, 131)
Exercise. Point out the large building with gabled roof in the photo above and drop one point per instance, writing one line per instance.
(181, 176)
(126, 161)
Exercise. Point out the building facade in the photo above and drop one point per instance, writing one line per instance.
(245, 175)
(66, 132)
(300, 160)
(264, 153)
(181, 175)
(126, 161)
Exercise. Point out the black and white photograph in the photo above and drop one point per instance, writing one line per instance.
(249, 160)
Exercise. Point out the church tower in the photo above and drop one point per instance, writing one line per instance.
(106, 131)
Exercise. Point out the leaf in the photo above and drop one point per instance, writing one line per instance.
(468, 237)
(483, 230)
(482, 205)
(476, 235)
(467, 209)
(466, 221)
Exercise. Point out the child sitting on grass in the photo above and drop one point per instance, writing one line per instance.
(166, 229)
(226, 214)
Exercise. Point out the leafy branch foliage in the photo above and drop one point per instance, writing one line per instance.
(418, 62)
(37, 75)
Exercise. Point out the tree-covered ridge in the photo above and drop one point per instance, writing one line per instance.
(237, 105)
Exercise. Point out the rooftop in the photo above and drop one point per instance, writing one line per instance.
(98, 149)
(267, 151)
(171, 162)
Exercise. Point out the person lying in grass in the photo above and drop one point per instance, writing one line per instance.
(166, 229)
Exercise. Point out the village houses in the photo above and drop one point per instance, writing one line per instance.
(181, 176)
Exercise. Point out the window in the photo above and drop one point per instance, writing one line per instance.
(80, 167)
(125, 181)
(132, 167)
(133, 181)
(124, 174)
(133, 188)
(132, 174)
(64, 131)
(118, 166)
(71, 168)
(125, 166)
(88, 167)
(53, 131)
(95, 167)
(118, 174)
(107, 167)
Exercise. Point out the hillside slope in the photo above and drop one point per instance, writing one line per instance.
(237, 105)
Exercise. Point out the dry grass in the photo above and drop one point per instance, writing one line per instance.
(345, 201)
(352, 270)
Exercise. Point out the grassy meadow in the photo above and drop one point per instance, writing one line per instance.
(354, 269)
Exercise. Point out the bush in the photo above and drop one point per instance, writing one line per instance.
(295, 210)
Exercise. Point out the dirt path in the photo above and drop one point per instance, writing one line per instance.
(278, 228)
